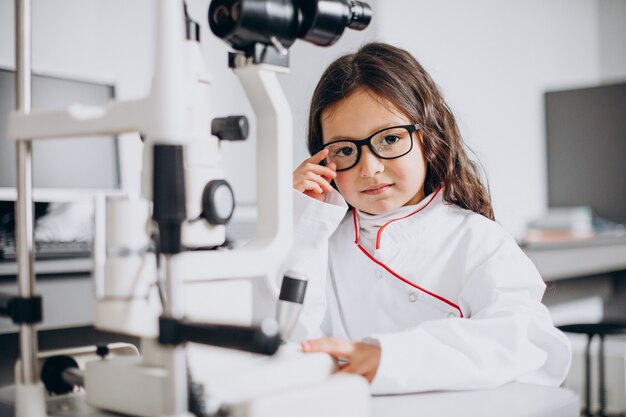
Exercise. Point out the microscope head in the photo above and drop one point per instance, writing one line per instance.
(246, 23)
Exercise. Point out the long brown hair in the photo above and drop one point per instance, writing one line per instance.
(395, 76)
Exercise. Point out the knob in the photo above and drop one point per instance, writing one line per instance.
(102, 351)
(218, 202)
(290, 300)
(230, 128)
(52, 374)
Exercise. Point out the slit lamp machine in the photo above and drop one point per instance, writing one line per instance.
(147, 249)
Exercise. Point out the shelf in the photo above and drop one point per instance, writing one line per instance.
(58, 266)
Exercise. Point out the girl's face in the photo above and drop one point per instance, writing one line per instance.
(374, 185)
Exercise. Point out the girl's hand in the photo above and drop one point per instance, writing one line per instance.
(313, 179)
(360, 358)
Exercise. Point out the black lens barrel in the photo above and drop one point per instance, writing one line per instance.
(327, 19)
(244, 23)
(324, 21)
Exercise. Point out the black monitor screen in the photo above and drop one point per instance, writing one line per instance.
(90, 163)
(586, 139)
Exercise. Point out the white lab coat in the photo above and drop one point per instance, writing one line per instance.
(449, 296)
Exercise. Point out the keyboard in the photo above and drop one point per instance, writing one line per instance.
(45, 250)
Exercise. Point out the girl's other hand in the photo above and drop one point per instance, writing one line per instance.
(360, 358)
(313, 179)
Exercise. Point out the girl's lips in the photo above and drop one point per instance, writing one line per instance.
(378, 189)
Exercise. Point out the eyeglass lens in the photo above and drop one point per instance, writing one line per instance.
(387, 144)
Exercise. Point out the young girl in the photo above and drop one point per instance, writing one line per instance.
(413, 283)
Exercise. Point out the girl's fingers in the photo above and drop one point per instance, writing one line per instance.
(312, 178)
(317, 169)
(338, 348)
(309, 185)
(319, 157)
(360, 358)
(313, 163)
(348, 368)
(366, 373)
(362, 362)
(321, 181)
(306, 183)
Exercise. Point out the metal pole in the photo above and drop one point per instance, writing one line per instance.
(24, 206)
(587, 410)
(601, 386)
(175, 359)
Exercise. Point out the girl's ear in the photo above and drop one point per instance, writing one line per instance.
(420, 137)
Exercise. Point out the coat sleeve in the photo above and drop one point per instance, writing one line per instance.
(508, 335)
(314, 223)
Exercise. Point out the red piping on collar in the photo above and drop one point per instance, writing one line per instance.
(380, 231)
(406, 281)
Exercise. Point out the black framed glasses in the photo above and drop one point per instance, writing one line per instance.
(388, 143)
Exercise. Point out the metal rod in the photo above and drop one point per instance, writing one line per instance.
(99, 244)
(587, 410)
(175, 360)
(174, 306)
(74, 377)
(24, 205)
(601, 386)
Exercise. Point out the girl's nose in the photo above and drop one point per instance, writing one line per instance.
(370, 164)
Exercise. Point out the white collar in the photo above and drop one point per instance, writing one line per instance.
(374, 221)
(370, 226)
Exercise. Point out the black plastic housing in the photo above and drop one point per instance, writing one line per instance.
(168, 196)
(245, 23)
(21, 310)
(293, 289)
(230, 127)
(249, 339)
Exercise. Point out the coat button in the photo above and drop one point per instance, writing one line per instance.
(412, 297)
(378, 274)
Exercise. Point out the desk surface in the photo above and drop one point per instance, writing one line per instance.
(511, 400)
(68, 297)
(600, 256)
(554, 261)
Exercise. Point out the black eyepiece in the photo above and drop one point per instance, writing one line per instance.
(361, 15)
(222, 16)
(244, 23)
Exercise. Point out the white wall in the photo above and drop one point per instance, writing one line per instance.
(612, 39)
(307, 62)
(494, 60)
(101, 40)
(112, 40)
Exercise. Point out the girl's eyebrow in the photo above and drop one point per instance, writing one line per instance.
(339, 137)
(379, 128)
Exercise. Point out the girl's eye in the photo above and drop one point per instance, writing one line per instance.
(390, 140)
(345, 151)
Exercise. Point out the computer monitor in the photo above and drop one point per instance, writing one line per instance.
(62, 163)
(586, 149)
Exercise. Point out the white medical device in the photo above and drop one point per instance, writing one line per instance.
(172, 235)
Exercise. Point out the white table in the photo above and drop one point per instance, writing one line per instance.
(511, 400)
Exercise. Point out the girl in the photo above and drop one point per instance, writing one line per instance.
(413, 282)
